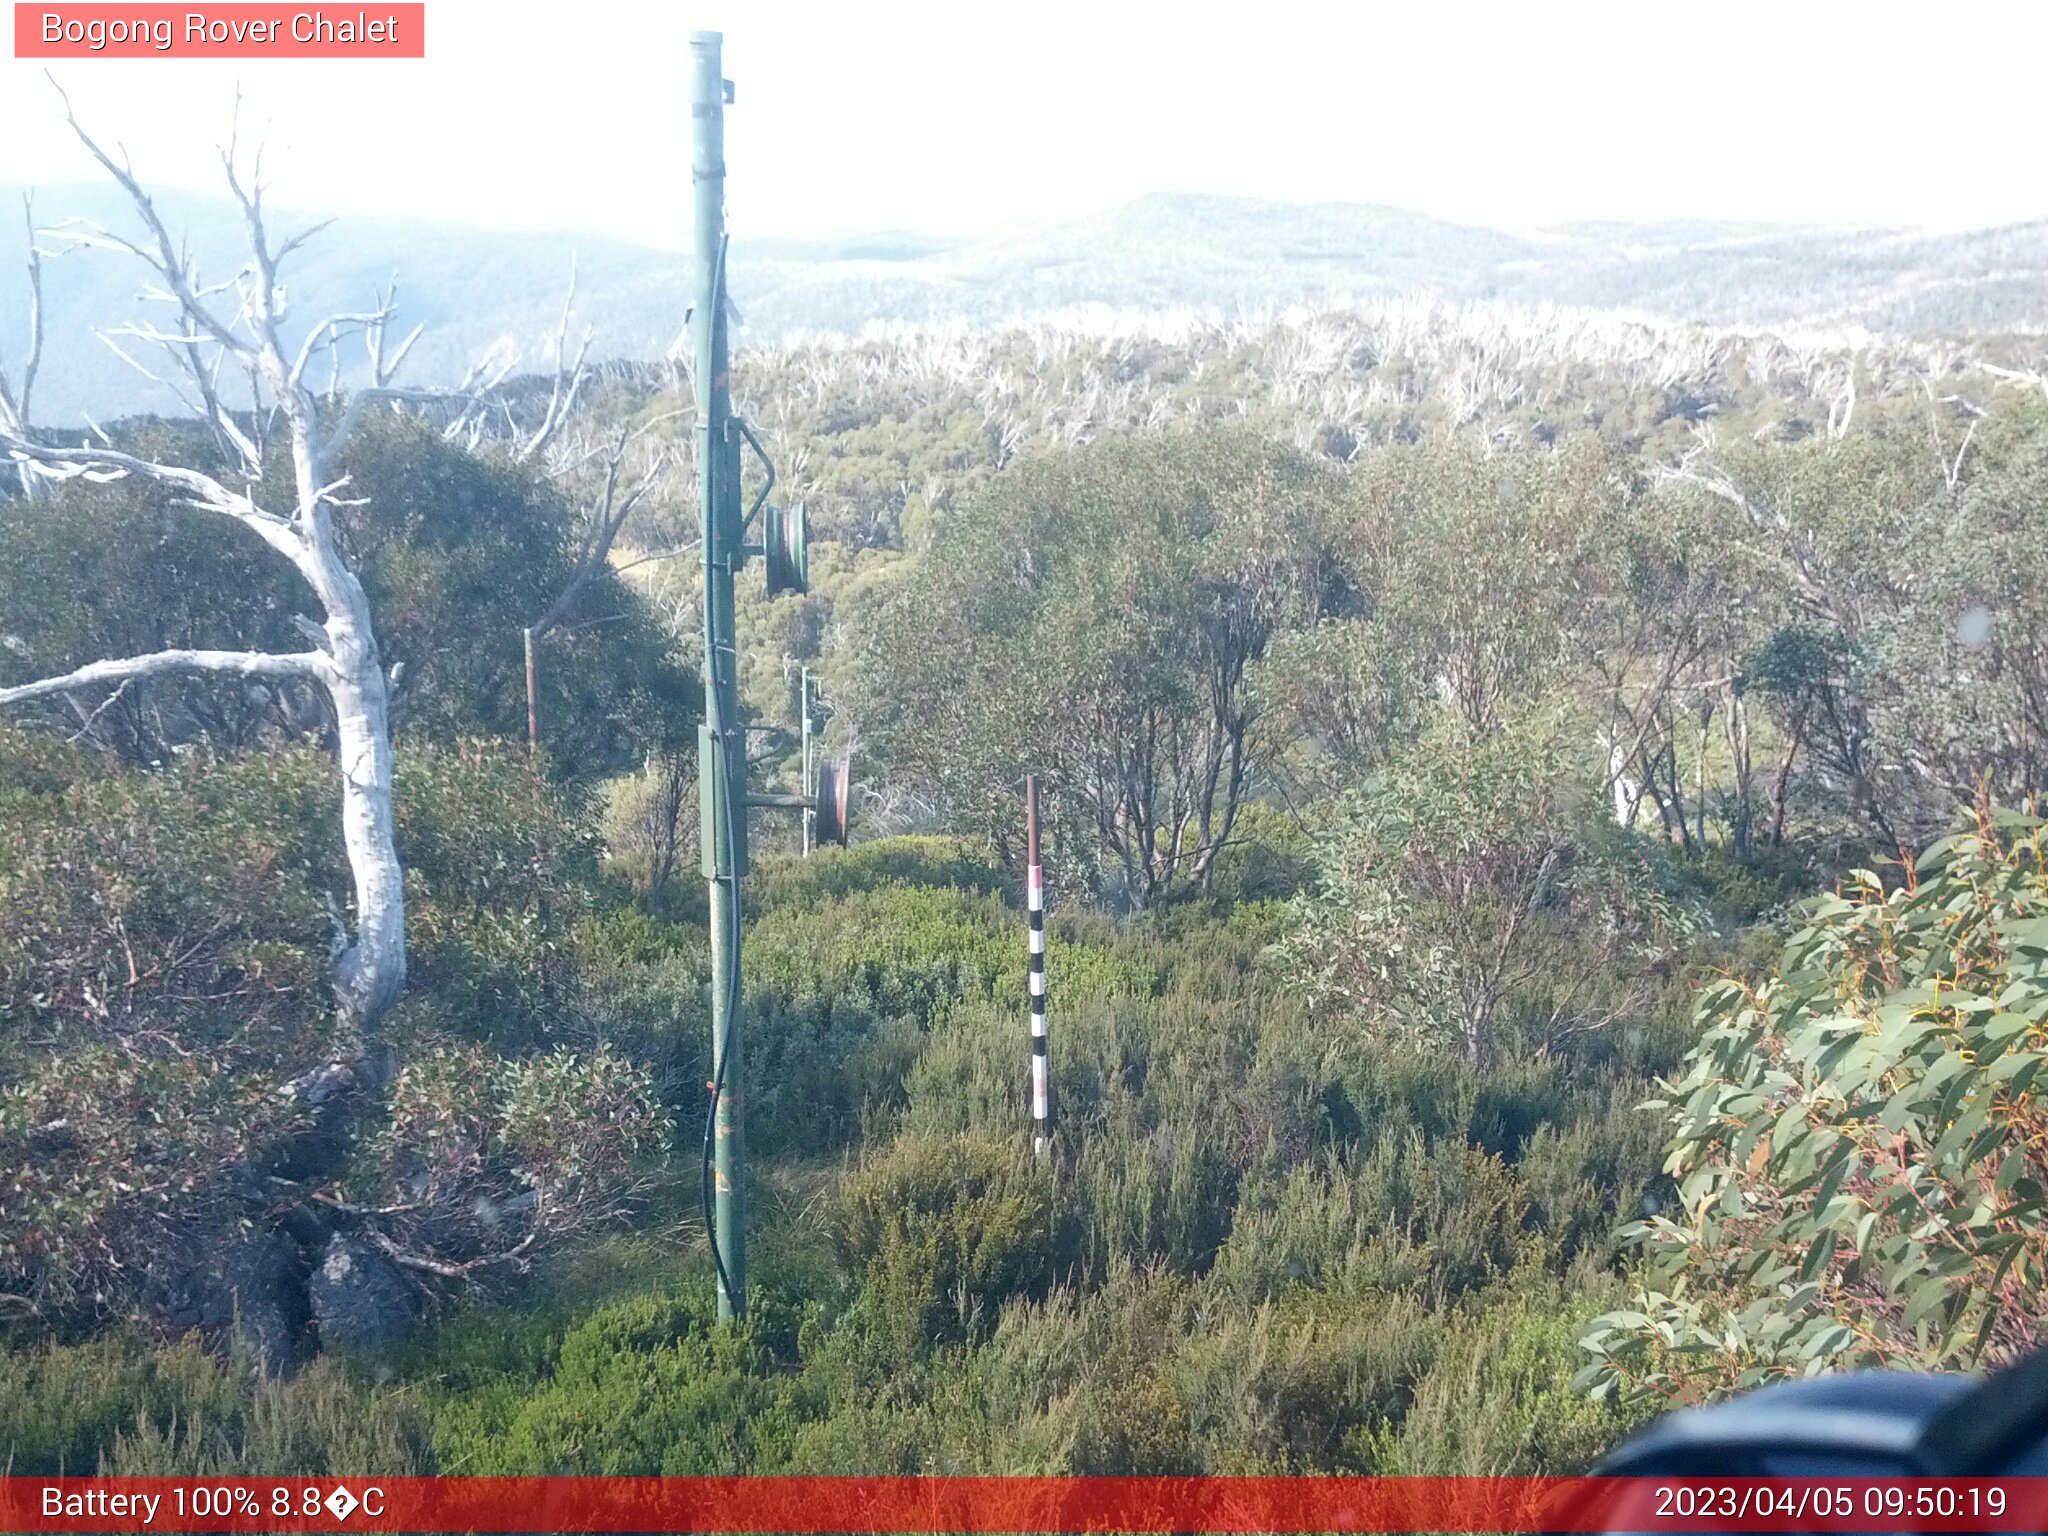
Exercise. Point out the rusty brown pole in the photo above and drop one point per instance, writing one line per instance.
(1034, 878)
(532, 711)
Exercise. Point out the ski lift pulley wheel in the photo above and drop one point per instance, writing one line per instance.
(832, 817)
(785, 543)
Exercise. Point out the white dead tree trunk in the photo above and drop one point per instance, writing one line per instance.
(204, 337)
(16, 395)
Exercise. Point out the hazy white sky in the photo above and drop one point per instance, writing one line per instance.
(966, 115)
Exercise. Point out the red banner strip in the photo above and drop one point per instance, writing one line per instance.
(1022, 1504)
(379, 30)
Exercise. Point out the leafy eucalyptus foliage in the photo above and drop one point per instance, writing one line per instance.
(1475, 894)
(1857, 1142)
(1094, 617)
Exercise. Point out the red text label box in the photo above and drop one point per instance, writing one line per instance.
(232, 31)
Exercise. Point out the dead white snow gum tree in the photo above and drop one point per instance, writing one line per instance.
(235, 328)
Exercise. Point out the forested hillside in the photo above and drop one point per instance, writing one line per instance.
(1537, 805)
(1132, 268)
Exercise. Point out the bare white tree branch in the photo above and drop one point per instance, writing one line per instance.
(567, 383)
(308, 664)
(16, 400)
(164, 257)
(607, 509)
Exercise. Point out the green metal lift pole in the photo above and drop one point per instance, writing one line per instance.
(721, 761)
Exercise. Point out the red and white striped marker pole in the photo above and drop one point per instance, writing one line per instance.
(1034, 880)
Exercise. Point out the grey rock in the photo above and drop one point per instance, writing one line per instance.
(361, 1301)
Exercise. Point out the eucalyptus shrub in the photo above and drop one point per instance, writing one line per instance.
(1857, 1142)
(163, 942)
(1477, 895)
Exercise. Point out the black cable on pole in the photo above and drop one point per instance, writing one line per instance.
(723, 1049)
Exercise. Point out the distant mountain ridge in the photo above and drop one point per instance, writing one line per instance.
(475, 288)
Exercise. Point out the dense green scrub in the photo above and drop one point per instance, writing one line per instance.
(1264, 1243)
(1429, 787)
